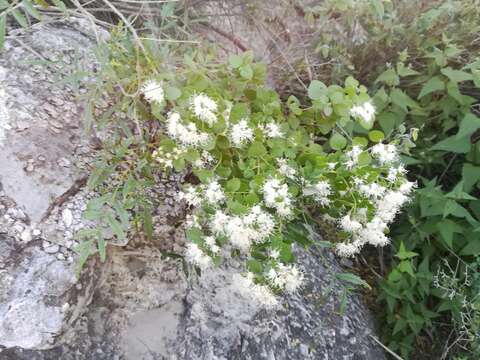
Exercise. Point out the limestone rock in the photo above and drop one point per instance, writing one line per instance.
(35, 283)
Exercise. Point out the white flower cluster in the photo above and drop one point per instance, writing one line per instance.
(153, 92)
(352, 156)
(272, 130)
(242, 231)
(191, 196)
(285, 169)
(387, 205)
(241, 133)
(365, 112)
(385, 153)
(212, 193)
(186, 135)
(204, 108)
(276, 196)
(285, 277)
(321, 191)
(260, 294)
(196, 256)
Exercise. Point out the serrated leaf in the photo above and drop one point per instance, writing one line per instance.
(432, 85)
(456, 75)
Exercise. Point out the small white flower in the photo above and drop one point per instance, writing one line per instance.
(385, 153)
(365, 112)
(214, 193)
(196, 256)
(191, 196)
(249, 290)
(349, 225)
(241, 133)
(286, 277)
(276, 196)
(153, 92)
(352, 156)
(204, 108)
(285, 169)
(186, 135)
(272, 130)
(274, 254)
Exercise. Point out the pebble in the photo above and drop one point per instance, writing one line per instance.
(26, 235)
(52, 249)
(67, 217)
(36, 232)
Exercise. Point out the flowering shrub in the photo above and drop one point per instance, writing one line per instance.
(263, 163)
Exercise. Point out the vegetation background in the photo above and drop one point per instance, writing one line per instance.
(420, 61)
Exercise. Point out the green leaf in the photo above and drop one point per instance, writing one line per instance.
(352, 279)
(172, 93)
(30, 9)
(404, 254)
(432, 85)
(453, 144)
(102, 247)
(116, 227)
(470, 176)
(456, 75)
(376, 136)
(257, 149)
(246, 72)
(406, 267)
(21, 19)
(3, 22)
(233, 185)
(337, 141)
(469, 124)
(316, 90)
(446, 229)
(472, 247)
(389, 77)
(235, 61)
(402, 100)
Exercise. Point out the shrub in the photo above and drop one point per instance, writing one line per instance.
(262, 167)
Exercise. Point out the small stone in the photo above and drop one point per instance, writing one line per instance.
(26, 235)
(64, 162)
(36, 232)
(67, 217)
(60, 256)
(52, 249)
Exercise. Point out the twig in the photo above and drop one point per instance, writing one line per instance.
(74, 189)
(386, 348)
(228, 36)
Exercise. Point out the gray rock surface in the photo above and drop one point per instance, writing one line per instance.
(143, 304)
(40, 133)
